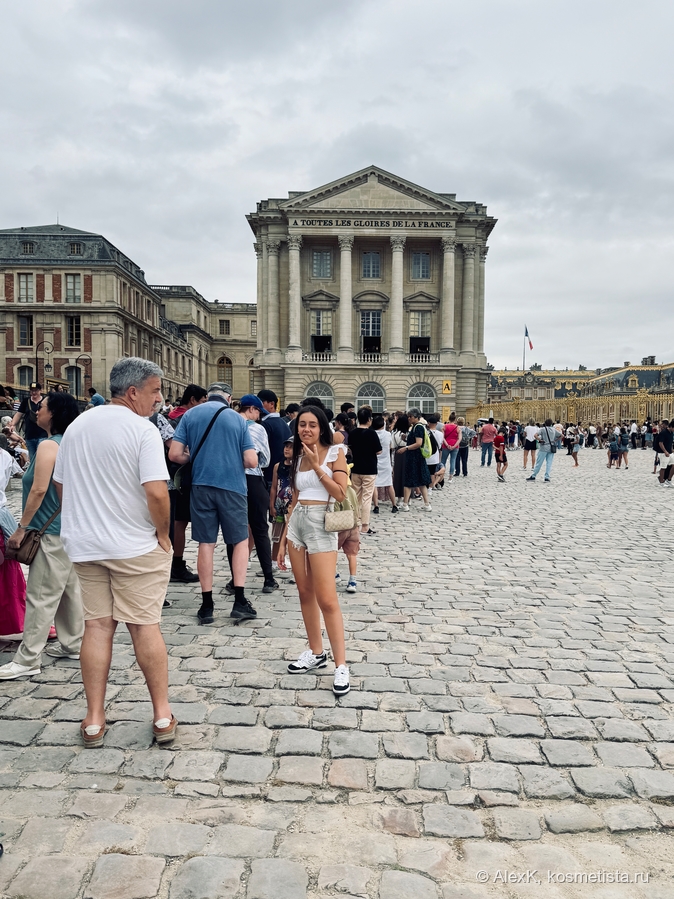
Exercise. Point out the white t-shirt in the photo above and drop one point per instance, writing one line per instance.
(436, 443)
(8, 467)
(105, 458)
(384, 468)
(530, 432)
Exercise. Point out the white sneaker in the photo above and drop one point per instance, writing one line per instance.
(58, 652)
(338, 578)
(352, 586)
(405, 507)
(12, 670)
(428, 507)
(307, 662)
(340, 685)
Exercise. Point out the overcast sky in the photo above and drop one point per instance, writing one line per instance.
(160, 124)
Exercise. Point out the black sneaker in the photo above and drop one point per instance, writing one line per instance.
(270, 585)
(394, 509)
(229, 588)
(183, 574)
(205, 614)
(242, 611)
(167, 604)
(376, 510)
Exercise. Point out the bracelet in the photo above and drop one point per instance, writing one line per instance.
(321, 477)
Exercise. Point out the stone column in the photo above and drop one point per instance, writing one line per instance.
(480, 305)
(396, 350)
(467, 300)
(447, 324)
(261, 307)
(273, 330)
(294, 351)
(264, 311)
(345, 346)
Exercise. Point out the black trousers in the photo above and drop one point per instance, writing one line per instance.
(461, 461)
(258, 518)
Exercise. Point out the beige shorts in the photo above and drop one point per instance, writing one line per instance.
(129, 590)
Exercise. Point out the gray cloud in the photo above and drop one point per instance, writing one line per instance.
(160, 124)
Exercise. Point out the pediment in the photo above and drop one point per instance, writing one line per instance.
(321, 299)
(371, 190)
(421, 299)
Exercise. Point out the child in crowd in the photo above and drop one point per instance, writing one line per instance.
(280, 496)
(613, 452)
(500, 452)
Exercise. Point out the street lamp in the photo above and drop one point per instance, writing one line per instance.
(87, 361)
(45, 344)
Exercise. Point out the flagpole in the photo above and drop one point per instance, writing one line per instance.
(524, 350)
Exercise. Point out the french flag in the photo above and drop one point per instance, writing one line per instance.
(526, 334)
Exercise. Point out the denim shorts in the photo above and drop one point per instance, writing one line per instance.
(214, 508)
(306, 530)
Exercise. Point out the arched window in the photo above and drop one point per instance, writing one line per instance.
(323, 391)
(421, 396)
(74, 376)
(225, 370)
(371, 395)
(25, 375)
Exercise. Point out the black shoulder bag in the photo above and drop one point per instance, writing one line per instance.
(182, 479)
(553, 446)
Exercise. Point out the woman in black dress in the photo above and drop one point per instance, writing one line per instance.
(399, 441)
(416, 473)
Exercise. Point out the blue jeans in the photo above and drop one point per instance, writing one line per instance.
(487, 448)
(32, 446)
(543, 456)
(451, 455)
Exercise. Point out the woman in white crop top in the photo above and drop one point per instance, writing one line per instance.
(319, 476)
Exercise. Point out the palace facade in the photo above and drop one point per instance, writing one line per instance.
(371, 289)
(71, 304)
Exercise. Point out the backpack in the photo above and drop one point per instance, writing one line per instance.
(613, 446)
(426, 448)
(465, 438)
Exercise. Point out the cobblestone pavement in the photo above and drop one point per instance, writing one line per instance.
(511, 712)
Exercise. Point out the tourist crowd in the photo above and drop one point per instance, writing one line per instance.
(108, 496)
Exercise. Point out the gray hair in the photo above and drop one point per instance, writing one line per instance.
(219, 387)
(415, 413)
(131, 372)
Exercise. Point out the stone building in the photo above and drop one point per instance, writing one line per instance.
(371, 289)
(626, 393)
(71, 304)
(222, 336)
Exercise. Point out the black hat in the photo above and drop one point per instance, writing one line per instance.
(35, 386)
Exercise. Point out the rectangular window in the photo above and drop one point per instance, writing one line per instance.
(420, 324)
(74, 330)
(421, 266)
(321, 264)
(75, 249)
(25, 330)
(371, 265)
(224, 327)
(321, 322)
(25, 288)
(542, 393)
(73, 289)
(370, 324)
(253, 328)
(28, 248)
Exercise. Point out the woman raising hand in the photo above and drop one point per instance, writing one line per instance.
(318, 476)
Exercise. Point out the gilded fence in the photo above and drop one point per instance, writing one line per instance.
(638, 405)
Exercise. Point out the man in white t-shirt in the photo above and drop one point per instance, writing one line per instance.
(112, 477)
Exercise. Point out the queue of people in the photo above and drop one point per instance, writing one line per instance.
(110, 493)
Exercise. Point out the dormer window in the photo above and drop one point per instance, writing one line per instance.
(28, 248)
(76, 249)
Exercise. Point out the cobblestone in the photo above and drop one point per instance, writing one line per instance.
(526, 682)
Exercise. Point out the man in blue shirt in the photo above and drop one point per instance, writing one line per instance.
(95, 398)
(277, 431)
(219, 491)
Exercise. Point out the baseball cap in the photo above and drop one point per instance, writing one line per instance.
(251, 400)
(35, 386)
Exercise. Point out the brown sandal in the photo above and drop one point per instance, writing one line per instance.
(93, 741)
(165, 734)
